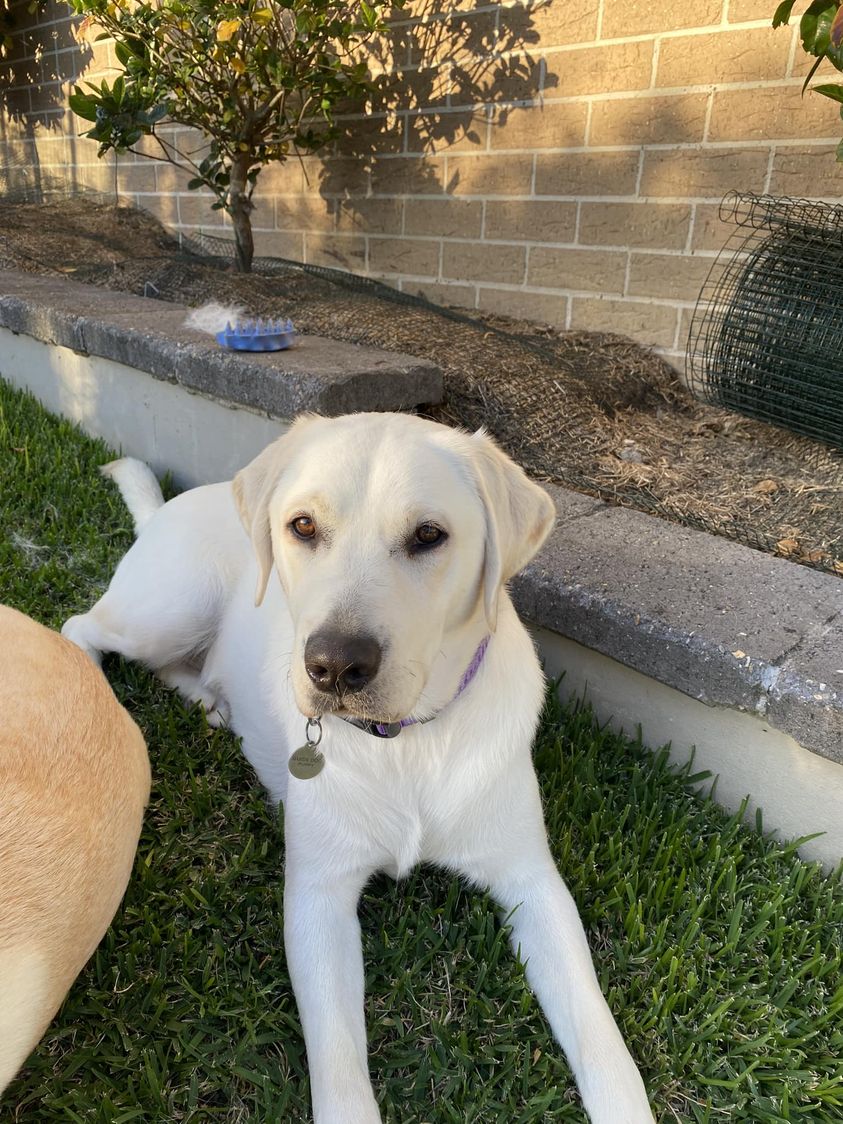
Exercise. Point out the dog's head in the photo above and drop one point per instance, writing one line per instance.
(388, 533)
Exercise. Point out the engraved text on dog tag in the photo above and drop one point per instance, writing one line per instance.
(306, 762)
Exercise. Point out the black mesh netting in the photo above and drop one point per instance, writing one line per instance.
(767, 335)
(593, 411)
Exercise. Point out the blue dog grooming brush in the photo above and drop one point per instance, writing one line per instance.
(257, 335)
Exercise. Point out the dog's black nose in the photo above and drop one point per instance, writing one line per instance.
(341, 663)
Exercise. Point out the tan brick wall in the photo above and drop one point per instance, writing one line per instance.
(559, 160)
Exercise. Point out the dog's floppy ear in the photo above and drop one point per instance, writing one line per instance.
(253, 487)
(519, 517)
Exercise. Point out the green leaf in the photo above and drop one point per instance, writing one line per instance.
(830, 90)
(782, 13)
(839, 153)
(82, 105)
(815, 26)
(811, 73)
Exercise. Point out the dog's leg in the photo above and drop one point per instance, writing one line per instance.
(325, 959)
(515, 864)
(189, 683)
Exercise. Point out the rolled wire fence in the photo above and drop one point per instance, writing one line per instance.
(766, 337)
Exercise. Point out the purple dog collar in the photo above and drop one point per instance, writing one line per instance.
(393, 729)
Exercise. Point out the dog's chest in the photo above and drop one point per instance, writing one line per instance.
(394, 816)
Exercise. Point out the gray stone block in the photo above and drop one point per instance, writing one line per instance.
(725, 624)
(328, 376)
(806, 696)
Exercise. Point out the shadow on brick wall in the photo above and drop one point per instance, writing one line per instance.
(448, 76)
(37, 157)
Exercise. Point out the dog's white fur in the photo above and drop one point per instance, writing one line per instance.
(459, 791)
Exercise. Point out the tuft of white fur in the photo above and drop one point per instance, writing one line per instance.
(138, 487)
(213, 317)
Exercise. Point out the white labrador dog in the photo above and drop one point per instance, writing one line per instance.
(372, 592)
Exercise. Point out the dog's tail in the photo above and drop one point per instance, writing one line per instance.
(138, 487)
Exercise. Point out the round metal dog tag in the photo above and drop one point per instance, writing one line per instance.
(306, 762)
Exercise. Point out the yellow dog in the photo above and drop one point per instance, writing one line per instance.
(74, 781)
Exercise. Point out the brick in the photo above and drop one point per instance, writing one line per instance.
(490, 175)
(652, 324)
(16, 105)
(771, 113)
(426, 88)
(540, 126)
(459, 130)
(337, 251)
(463, 296)
(753, 55)
(671, 276)
(466, 33)
(445, 218)
(807, 170)
(168, 179)
(702, 173)
(369, 216)
(710, 231)
(95, 177)
(637, 17)
(601, 271)
(583, 173)
(517, 77)
(667, 119)
(164, 207)
(473, 261)
(408, 175)
(55, 150)
(552, 24)
(303, 212)
(404, 255)
(600, 70)
(525, 220)
(657, 225)
(279, 244)
(375, 132)
(133, 178)
(686, 316)
(336, 175)
(742, 11)
(543, 308)
(195, 210)
(284, 178)
(49, 95)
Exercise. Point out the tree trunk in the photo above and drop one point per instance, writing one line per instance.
(240, 209)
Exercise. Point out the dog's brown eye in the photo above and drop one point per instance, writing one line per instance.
(304, 527)
(428, 534)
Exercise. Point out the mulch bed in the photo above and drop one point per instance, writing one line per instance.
(592, 411)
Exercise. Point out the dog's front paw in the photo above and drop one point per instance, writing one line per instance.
(219, 715)
(618, 1098)
(346, 1105)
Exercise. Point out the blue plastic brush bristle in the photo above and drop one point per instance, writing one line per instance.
(258, 335)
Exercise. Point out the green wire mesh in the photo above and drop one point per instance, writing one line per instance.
(766, 337)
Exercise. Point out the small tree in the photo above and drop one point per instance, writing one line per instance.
(259, 78)
(821, 34)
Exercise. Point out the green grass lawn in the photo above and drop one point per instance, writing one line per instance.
(719, 950)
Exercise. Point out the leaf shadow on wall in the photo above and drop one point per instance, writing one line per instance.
(47, 56)
(447, 79)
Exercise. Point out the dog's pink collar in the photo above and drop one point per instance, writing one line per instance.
(393, 729)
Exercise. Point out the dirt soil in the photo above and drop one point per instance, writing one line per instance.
(592, 411)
